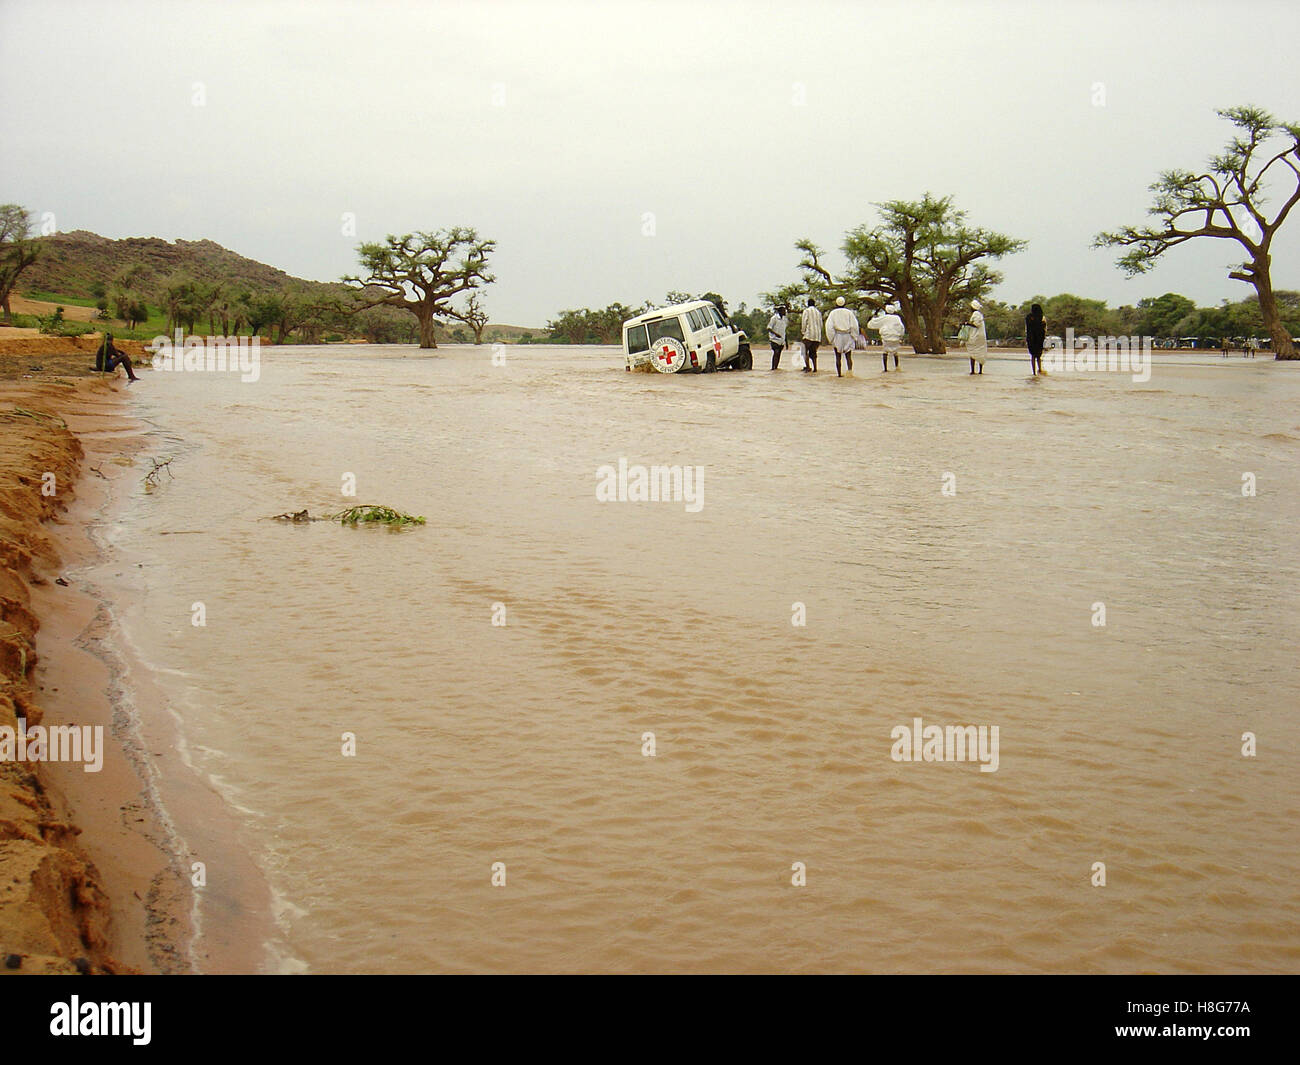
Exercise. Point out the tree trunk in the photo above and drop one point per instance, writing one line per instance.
(478, 332)
(425, 316)
(922, 330)
(934, 330)
(912, 323)
(1283, 346)
(5, 304)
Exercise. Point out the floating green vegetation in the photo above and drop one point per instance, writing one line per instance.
(367, 514)
(370, 513)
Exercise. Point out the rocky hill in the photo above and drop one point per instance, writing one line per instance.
(72, 263)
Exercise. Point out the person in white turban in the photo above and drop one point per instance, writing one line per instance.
(842, 330)
(891, 330)
(977, 342)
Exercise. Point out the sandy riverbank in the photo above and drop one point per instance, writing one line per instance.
(88, 880)
(54, 913)
(148, 820)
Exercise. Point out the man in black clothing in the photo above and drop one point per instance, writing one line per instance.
(1035, 337)
(109, 358)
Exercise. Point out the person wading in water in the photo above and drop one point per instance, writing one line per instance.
(842, 331)
(1035, 337)
(977, 342)
(891, 330)
(811, 330)
(776, 335)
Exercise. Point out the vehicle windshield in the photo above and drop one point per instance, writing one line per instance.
(666, 327)
(636, 340)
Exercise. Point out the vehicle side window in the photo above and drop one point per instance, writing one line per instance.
(666, 327)
(700, 318)
(636, 340)
(716, 316)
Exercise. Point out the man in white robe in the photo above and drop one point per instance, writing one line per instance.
(891, 329)
(977, 341)
(842, 331)
(811, 332)
(776, 335)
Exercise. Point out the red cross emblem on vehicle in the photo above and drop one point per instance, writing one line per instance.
(669, 355)
(717, 345)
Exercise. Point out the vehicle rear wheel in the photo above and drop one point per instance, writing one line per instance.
(711, 364)
(745, 361)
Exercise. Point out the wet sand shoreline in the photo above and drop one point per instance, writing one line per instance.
(138, 851)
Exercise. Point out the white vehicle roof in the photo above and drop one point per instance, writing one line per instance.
(672, 310)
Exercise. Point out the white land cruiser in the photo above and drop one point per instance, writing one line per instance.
(686, 337)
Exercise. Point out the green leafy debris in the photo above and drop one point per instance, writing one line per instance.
(371, 513)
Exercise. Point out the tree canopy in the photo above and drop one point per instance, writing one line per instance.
(473, 315)
(18, 250)
(422, 273)
(1225, 202)
(922, 254)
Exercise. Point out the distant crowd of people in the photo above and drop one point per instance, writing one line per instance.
(845, 334)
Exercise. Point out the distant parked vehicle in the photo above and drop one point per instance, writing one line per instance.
(690, 337)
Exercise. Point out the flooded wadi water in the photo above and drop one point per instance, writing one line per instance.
(669, 731)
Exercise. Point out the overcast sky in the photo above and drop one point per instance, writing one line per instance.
(555, 128)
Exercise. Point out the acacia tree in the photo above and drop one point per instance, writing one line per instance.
(18, 250)
(214, 298)
(421, 273)
(225, 309)
(1160, 315)
(473, 315)
(716, 300)
(260, 310)
(384, 325)
(124, 295)
(183, 300)
(571, 326)
(607, 323)
(922, 254)
(1224, 203)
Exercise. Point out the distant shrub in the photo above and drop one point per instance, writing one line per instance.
(52, 323)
